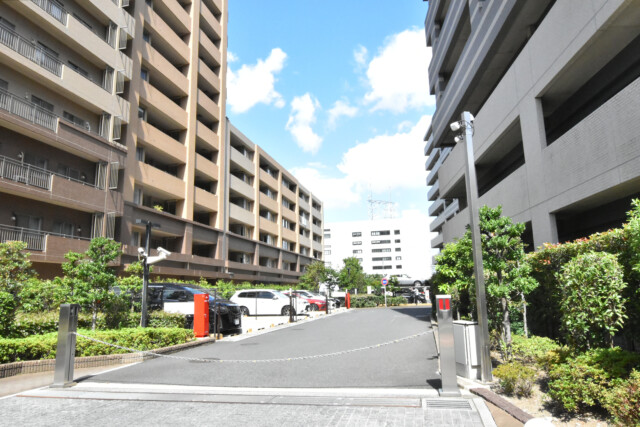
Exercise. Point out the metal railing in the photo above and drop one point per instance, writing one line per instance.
(32, 175)
(25, 173)
(35, 240)
(27, 110)
(30, 51)
(54, 9)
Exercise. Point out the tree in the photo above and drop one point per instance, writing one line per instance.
(507, 274)
(89, 276)
(133, 281)
(454, 273)
(15, 270)
(592, 304)
(315, 274)
(351, 276)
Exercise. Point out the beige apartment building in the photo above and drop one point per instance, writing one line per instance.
(112, 114)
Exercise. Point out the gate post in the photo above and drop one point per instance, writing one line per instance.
(447, 353)
(66, 350)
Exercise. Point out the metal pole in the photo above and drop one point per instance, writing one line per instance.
(215, 314)
(474, 214)
(291, 305)
(145, 276)
(66, 350)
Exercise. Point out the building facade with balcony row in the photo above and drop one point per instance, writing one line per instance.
(554, 87)
(113, 111)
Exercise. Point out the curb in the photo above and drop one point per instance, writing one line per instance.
(45, 365)
(503, 404)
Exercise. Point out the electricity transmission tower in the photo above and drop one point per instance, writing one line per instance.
(375, 206)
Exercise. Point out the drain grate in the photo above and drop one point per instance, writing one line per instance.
(448, 404)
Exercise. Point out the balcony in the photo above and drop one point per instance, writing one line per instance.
(449, 211)
(28, 111)
(29, 51)
(207, 77)
(164, 71)
(25, 173)
(209, 109)
(268, 179)
(242, 161)
(268, 226)
(434, 191)
(205, 200)
(159, 104)
(165, 39)
(209, 51)
(436, 207)
(304, 222)
(207, 136)
(268, 202)
(246, 190)
(162, 142)
(36, 240)
(210, 22)
(241, 215)
(207, 167)
(316, 246)
(163, 182)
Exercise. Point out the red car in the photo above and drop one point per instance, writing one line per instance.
(315, 304)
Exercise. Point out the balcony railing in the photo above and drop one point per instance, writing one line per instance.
(32, 175)
(25, 173)
(30, 51)
(27, 110)
(54, 9)
(35, 239)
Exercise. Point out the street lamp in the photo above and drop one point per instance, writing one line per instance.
(465, 125)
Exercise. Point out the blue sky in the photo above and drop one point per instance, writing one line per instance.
(337, 93)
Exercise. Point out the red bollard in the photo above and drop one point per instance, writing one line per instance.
(348, 298)
(201, 315)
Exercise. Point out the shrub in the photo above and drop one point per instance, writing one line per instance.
(365, 301)
(44, 346)
(28, 324)
(592, 303)
(515, 378)
(584, 381)
(623, 402)
(532, 349)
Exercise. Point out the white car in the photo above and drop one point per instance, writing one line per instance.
(266, 301)
(406, 280)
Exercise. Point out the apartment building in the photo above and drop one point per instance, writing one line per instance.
(383, 246)
(554, 87)
(112, 115)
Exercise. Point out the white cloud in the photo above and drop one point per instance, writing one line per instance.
(341, 108)
(383, 163)
(360, 55)
(231, 57)
(397, 76)
(254, 84)
(303, 115)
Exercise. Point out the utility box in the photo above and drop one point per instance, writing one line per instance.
(201, 315)
(447, 347)
(467, 350)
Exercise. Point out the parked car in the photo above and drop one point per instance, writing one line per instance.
(178, 298)
(264, 301)
(409, 295)
(315, 302)
(406, 280)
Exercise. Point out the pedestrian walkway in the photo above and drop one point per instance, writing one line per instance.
(144, 404)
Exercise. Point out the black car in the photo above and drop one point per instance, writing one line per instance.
(409, 295)
(227, 315)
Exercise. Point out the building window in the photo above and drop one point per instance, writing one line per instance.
(380, 242)
(75, 120)
(398, 266)
(356, 243)
(41, 103)
(142, 114)
(7, 24)
(137, 196)
(146, 36)
(356, 234)
(357, 251)
(383, 258)
(144, 74)
(396, 232)
(381, 250)
(78, 69)
(327, 236)
(398, 258)
(397, 240)
(398, 249)
(327, 252)
(4, 85)
(380, 233)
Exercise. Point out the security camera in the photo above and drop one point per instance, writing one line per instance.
(141, 252)
(455, 126)
(471, 118)
(457, 139)
(163, 251)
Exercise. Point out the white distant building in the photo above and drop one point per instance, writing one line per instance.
(383, 246)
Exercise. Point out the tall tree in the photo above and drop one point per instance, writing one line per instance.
(351, 276)
(89, 276)
(315, 274)
(15, 270)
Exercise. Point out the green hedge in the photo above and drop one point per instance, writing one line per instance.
(44, 346)
(364, 301)
(28, 324)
